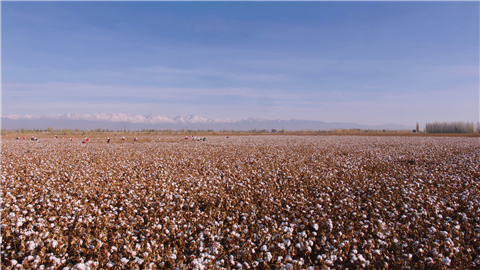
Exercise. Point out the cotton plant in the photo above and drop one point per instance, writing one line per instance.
(249, 203)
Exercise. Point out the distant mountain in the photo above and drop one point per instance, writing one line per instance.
(120, 121)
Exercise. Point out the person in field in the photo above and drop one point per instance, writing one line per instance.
(71, 139)
(108, 140)
(123, 138)
(135, 139)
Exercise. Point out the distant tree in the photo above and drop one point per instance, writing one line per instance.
(418, 127)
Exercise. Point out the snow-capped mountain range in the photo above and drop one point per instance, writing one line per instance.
(120, 121)
(121, 117)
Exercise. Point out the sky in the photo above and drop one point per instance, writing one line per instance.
(364, 62)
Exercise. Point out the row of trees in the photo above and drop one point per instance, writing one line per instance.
(436, 127)
(452, 127)
(67, 131)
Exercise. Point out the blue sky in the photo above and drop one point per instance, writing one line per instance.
(364, 62)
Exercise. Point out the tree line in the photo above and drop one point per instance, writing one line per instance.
(452, 127)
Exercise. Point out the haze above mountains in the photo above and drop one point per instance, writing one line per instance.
(120, 121)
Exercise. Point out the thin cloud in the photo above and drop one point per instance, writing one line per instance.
(168, 72)
(96, 90)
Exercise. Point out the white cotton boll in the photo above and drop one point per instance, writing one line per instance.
(289, 266)
(110, 264)
(281, 246)
(329, 224)
(124, 260)
(446, 261)
(264, 248)
(138, 260)
(13, 262)
(239, 266)
(56, 260)
(268, 256)
(54, 243)
(31, 245)
(315, 226)
(81, 266)
(173, 256)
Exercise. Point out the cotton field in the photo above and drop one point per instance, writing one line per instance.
(243, 202)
